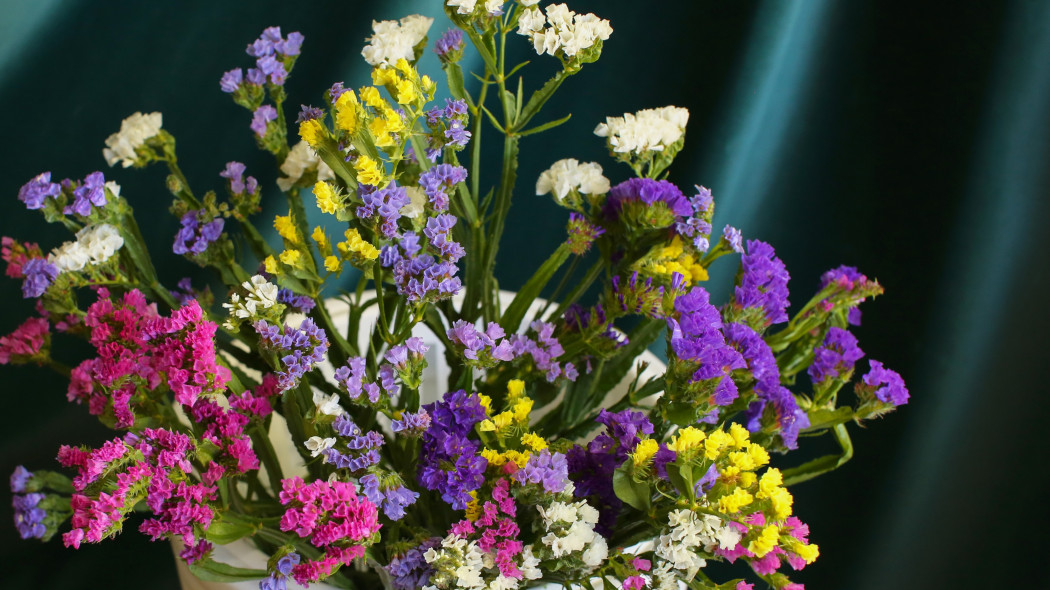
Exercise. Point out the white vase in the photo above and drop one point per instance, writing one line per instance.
(243, 553)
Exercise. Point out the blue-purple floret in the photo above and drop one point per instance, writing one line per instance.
(450, 40)
(412, 423)
(300, 303)
(194, 237)
(386, 202)
(764, 283)
(38, 190)
(393, 500)
(697, 336)
(888, 385)
(734, 238)
(449, 462)
(302, 348)
(550, 470)
(29, 517)
(38, 275)
(835, 357)
(234, 172)
(19, 478)
(231, 80)
(790, 418)
(648, 192)
(411, 570)
(263, 115)
(353, 378)
(439, 181)
(757, 354)
(90, 192)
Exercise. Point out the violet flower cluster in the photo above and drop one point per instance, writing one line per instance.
(299, 349)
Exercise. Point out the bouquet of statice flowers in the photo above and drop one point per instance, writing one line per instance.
(554, 455)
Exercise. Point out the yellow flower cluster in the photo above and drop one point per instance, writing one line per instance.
(312, 132)
(519, 406)
(328, 198)
(644, 452)
(674, 257)
(369, 171)
(355, 249)
(292, 255)
(513, 420)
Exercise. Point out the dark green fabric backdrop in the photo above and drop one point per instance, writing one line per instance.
(908, 139)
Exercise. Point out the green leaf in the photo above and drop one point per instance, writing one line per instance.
(454, 74)
(210, 570)
(539, 98)
(634, 493)
(531, 290)
(546, 126)
(674, 473)
(824, 418)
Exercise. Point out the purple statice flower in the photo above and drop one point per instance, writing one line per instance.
(706, 482)
(448, 127)
(852, 286)
(308, 113)
(412, 423)
(301, 347)
(396, 499)
(29, 517)
(263, 46)
(39, 274)
(183, 292)
(411, 351)
(696, 337)
(335, 92)
(37, 190)
(255, 76)
(353, 377)
(835, 357)
(449, 460)
(650, 203)
(362, 447)
(480, 345)
(419, 275)
(845, 277)
(625, 427)
(387, 203)
(273, 69)
(546, 469)
(234, 172)
(19, 478)
(734, 238)
(638, 297)
(582, 233)
(301, 303)
(195, 237)
(697, 227)
(450, 41)
(261, 117)
(757, 354)
(439, 181)
(457, 134)
(439, 231)
(411, 570)
(885, 384)
(231, 80)
(777, 406)
(90, 192)
(763, 285)
(291, 45)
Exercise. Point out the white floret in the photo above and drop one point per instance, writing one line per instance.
(392, 40)
(300, 159)
(134, 131)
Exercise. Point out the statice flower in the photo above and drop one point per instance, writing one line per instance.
(89, 192)
(570, 529)
(849, 286)
(582, 233)
(261, 295)
(439, 181)
(646, 203)
(696, 337)
(551, 471)
(687, 533)
(38, 190)
(334, 519)
(28, 343)
(362, 448)
(450, 45)
(568, 175)
(884, 384)
(29, 516)
(456, 563)
(761, 297)
(39, 274)
(390, 493)
(449, 461)
(301, 159)
(194, 237)
(94, 245)
(409, 569)
(563, 33)
(648, 130)
(353, 379)
(231, 80)
(300, 303)
(263, 115)
(411, 423)
(274, 58)
(448, 128)
(16, 254)
(391, 40)
(733, 238)
(234, 172)
(134, 132)
(420, 276)
(759, 357)
(835, 357)
(777, 406)
(383, 206)
(638, 297)
(301, 348)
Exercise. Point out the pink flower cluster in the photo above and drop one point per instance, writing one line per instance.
(770, 562)
(16, 254)
(152, 467)
(330, 514)
(25, 342)
(139, 349)
(637, 582)
(497, 530)
(224, 428)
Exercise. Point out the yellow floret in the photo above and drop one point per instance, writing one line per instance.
(486, 426)
(503, 420)
(781, 500)
(404, 67)
(534, 441)
(644, 452)
(286, 228)
(354, 243)
(346, 112)
(748, 479)
(486, 402)
(429, 86)
(291, 257)
(394, 122)
(312, 132)
(740, 435)
(758, 454)
(473, 510)
(714, 444)
(321, 239)
(328, 200)
(381, 76)
(520, 458)
(521, 410)
(332, 263)
(515, 387)
(370, 96)
(807, 552)
(368, 170)
(732, 503)
(765, 542)
(493, 457)
(771, 480)
(687, 439)
(271, 265)
(381, 132)
(742, 460)
(406, 92)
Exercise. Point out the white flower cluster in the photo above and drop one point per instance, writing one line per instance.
(134, 131)
(562, 30)
(317, 445)
(570, 528)
(568, 174)
(675, 550)
(646, 130)
(94, 245)
(493, 7)
(327, 405)
(392, 41)
(300, 159)
(262, 294)
(458, 563)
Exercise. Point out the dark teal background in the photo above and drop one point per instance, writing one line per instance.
(908, 139)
